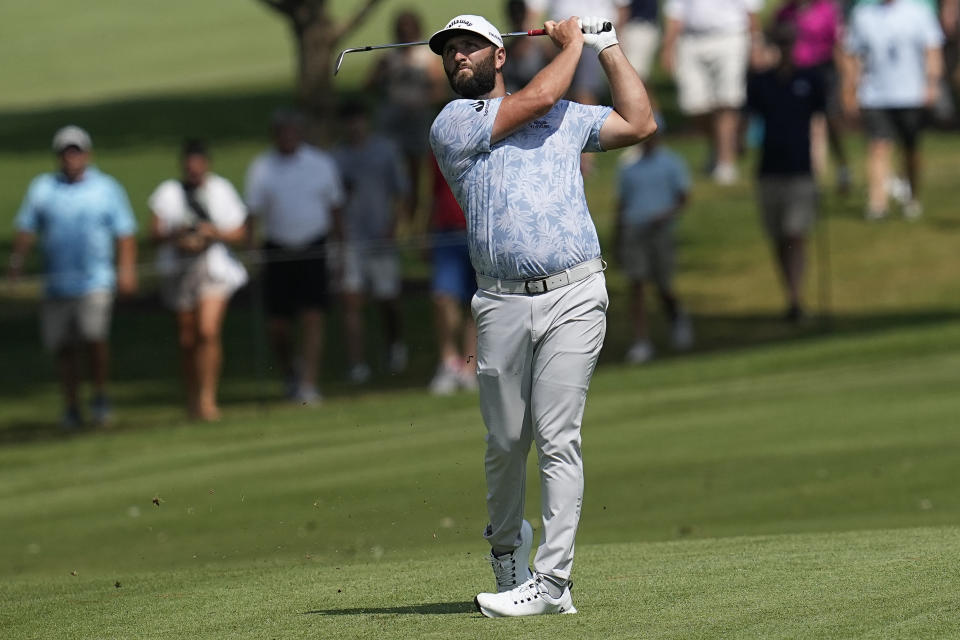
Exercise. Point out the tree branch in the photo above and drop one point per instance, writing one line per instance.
(354, 21)
(285, 7)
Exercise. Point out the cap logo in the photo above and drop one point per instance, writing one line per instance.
(465, 23)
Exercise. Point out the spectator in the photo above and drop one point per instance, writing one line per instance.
(786, 97)
(295, 189)
(589, 82)
(706, 45)
(950, 21)
(892, 68)
(527, 57)
(78, 213)
(411, 86)
(377, 187)
(817, 27)
(194, 218)
(653, 189)
(640, 35)
(454, 283)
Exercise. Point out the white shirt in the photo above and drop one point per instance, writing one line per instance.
(563, 9)
(294, 195)
(712, 16)
(168, 202)
(891, 41)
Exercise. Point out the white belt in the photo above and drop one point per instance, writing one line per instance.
(536, 286)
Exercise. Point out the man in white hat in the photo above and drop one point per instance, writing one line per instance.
(513, 163)
(83, 219)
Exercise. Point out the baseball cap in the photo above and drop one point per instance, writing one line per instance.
(470, 23)
(71, 136)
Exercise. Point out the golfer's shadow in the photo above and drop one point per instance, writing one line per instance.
(434, 608)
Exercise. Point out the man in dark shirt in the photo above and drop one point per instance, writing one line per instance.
(786, 98)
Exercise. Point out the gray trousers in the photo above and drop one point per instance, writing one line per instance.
(535, 357)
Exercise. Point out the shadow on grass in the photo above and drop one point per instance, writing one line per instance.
(434, 608)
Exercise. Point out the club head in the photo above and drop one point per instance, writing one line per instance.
(336, 67)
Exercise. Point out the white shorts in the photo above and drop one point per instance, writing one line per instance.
(65, 321)
(712, 71)
(371, 269)
(639, 40)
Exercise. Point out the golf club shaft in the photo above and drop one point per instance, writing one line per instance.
(373, 47)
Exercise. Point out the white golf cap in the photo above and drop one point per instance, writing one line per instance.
(472, 24)
(71, 136)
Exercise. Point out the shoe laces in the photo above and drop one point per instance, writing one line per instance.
(505, 569)
(529, 591)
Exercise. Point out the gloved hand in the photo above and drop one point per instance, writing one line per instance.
(593, 34)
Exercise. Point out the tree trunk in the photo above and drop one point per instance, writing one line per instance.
(315, 44)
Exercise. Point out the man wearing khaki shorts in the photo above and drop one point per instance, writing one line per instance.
(78, 214)
(706, 45)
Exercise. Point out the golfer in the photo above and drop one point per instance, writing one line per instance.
(513, 163)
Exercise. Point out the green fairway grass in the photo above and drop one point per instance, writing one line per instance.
(802, 490)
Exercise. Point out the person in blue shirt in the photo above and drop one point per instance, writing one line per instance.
(513, 164)
(893, 65)
(83, 222)
(652, 191)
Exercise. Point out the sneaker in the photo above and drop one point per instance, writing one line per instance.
(725, 174)
(467, 378)
(529, 599)
(71, 419)
(308, 396)
(359, 373)
(446, 381)
(681, 334)
(899, 189)
(399, 357)
(912, 210)
(512, 569)
(100, 411)
(640, 352)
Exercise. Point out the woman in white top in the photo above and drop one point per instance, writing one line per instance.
(193, 221)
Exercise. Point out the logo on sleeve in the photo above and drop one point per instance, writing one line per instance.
(479, 105)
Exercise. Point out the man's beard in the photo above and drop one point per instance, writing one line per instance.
(481, 81)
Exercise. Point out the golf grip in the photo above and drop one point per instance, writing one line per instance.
(607, 26)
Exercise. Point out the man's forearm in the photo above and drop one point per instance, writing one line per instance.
(630, 98)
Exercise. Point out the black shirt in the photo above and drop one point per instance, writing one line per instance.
(786, 102)
(643, 10)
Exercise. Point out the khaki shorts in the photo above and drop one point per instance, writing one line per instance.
(185, 290)
(649, 254)
(639, 40)
(788, 205)
(66, 321)
(373, 270)
(712, 71)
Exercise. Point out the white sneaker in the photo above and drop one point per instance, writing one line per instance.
(640, 352)
(529, 599)
(445, 381)
(399, 357)
(681, 334)
(912, 210)
(725, 174)
(359, 373)
(308, 396)
(513, 569)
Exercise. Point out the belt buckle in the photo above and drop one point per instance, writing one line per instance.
(540, 281)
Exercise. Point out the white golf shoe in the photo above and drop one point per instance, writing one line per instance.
(529, 599)
(513, 569)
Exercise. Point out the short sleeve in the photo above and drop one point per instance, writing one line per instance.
(852, 40)
(753, 6)
(675, 9)
(463, 130)
(254, 186)
(932, 34)
(123, 221)
(231, 212)
(538, 6)
(589, 120)
(164, 205)
(28, 218)
(336, 194)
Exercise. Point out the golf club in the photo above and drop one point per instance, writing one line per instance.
(533, 32)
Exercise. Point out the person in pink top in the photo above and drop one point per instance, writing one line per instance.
(818, 28)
